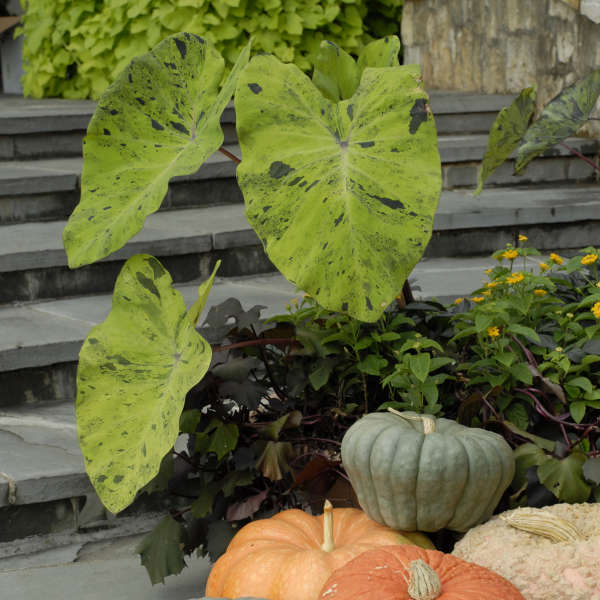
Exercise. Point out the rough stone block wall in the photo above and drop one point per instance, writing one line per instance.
(501, 46)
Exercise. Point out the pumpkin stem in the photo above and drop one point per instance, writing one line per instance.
(428, 422)
(328, 545)
(423, 582)
(540, 522)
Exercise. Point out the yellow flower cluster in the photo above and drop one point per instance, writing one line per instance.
(596, 310)
(544, 267)
(556, 259)
(589, 259)
(515, 278)
(523, 238)
(492, 284)
(510, 254)
(458, 300)
(478, 299)
(540, 292)
(493, 331)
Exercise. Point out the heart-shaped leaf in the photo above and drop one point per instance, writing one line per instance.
(564, 478)
(160, 118)
(335, 74)
(342, 195)
(134, 372)
(562, 117)
(380, 53)
(506, 133)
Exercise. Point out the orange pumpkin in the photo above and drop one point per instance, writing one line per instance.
(408, 572)
(290, 555)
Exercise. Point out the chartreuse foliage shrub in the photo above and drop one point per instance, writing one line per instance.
(75, 48)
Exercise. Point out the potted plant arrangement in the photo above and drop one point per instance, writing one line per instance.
(341, 178)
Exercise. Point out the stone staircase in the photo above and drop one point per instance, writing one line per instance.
(46, 309)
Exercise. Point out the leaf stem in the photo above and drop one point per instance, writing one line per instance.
(581, 156)
(229, 155)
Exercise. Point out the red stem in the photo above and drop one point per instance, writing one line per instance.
(258, 342)
(228, 154)
(581, 156)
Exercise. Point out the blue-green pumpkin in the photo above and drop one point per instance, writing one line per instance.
(418, 473)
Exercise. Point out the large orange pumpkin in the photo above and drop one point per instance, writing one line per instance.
(290, 555)
(411, 573)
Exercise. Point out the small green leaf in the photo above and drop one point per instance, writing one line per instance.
(522, 373)
(562, 117)
(236, 479)
(320, 376)
(564, 478)
(380, 53)
(203, 291)
(505, 358)
(223, 439)
(219, 534)
(516, 413)
(526, 455)
(204, 502)
(540, 442)
(506, 133)
(483, 321)
(372, 364)
(134, 372)
(419, 365)
(161, 550)
(527, 332)
(336, 75)
(581, 382)
(577, 410)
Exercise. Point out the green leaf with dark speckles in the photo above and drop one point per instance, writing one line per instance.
(132, 381)
(160, 118)
(561, 118)
(341, 195)
(506, 133)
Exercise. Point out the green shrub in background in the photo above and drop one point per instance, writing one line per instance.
(75, 48)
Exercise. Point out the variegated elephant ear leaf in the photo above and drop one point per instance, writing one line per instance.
(134, 372)
(342, 195)
(506, 133)
(562, 117)
(160, 118)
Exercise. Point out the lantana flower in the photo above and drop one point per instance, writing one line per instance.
(477, 298)
(493, 331)
(540, 292)
(556, 259)
(596, 310)
(544, 267)
(523, 238)
(589, 259)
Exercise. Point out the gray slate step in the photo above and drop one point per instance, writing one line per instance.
(39, 190)
(41, 340)
(54, 127)
(33, 263)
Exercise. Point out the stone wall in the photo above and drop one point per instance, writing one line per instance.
(501, 46)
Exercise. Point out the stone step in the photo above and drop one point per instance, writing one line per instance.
(49, 189)
(33, 263)
(54, 127)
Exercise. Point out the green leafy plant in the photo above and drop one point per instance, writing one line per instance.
(74, 48)
(336, 174)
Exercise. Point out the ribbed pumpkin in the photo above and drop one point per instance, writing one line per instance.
(415, 472)
(411, 573)
(290, 555)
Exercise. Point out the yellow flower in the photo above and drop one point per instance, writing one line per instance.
(493, 331)
(478, 299)
(540, 292)
(589, 259)
(570, 315)
(523, 238)
(458, 300)
(544, 267)
(510, 254)
(598, 284)
(596, 310)
(515, 278)
(486, 292)
(488, 271)
(492, 284)
(556, 259)
(558, 349)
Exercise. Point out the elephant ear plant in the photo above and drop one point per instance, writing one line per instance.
(340, 176)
